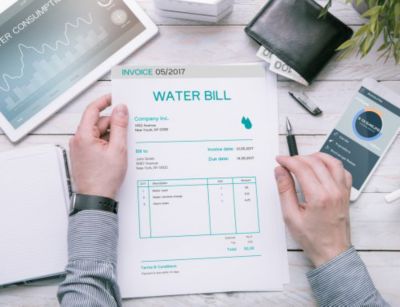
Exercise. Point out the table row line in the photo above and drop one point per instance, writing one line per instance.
(197, 210)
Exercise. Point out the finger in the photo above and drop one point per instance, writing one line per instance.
(304, 174)
(349, 179)
(321, 171)
(104, 124)
(287, 195)
(335, 167)
(106, 137)
(92, 114)
(119, 127)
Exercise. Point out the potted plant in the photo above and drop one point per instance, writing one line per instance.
(383, 19)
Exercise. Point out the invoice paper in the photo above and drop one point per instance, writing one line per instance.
(199, 210)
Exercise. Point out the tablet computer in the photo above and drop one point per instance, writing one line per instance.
(51, 50)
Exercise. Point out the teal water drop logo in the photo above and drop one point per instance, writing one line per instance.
(247, 123)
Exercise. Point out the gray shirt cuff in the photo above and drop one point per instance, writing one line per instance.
(93, 235)
(343, 281)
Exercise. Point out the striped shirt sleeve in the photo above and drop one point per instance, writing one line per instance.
(92, 261)
(344, 281)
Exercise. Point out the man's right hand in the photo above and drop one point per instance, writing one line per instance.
(99, 150)
(321, 223)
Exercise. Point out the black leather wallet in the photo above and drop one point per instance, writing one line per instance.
(293, 31)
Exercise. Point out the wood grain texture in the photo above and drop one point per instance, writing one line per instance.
(375, 224)
(384, 268)
(229, 44)
(332, 97)
(386, 178)
(245, 10)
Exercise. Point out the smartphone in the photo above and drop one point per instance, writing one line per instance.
(365, 132)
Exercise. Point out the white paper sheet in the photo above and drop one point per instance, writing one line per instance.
(34, 215)
(199, 210)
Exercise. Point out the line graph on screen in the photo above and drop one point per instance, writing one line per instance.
(38, 65)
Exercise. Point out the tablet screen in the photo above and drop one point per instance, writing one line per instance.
(47, 46)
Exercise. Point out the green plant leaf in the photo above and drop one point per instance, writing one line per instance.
(346, 44)
(383, 19)
(396, 52)
(367, 44)
(325, 9)
(385, 53)
(397, 19)
(373, 11)
(361, 31)
(383, 47)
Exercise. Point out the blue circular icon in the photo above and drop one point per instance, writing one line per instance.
(367, 124)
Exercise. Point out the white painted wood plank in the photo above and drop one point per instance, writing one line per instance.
(229, 44)
(384, 268)
(386, 178)
(332, 97)
(375, 224)
(245, 10)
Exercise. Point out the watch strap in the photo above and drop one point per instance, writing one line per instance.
(82, 202)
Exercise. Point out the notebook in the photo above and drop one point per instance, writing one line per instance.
(35, 190)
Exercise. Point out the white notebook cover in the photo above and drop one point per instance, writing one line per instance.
(33, 221)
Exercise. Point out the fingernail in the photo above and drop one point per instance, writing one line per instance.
(278, 158)
(109, 100)
(121, 110)
(279, 173)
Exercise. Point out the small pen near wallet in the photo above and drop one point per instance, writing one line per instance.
(306, 103)
(291, 139)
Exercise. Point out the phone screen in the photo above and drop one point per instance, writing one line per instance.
(363, 134)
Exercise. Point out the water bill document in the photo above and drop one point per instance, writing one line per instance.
(199, 210)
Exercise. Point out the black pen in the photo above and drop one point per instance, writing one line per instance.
(291, 139)
(306, 103)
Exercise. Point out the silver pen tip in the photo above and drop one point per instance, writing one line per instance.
(288, 126)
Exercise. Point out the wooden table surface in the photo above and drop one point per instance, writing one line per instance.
(375, 224)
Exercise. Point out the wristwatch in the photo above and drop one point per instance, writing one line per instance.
(80, 202)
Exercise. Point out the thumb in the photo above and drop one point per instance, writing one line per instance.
(119, 127)
(287, 195)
